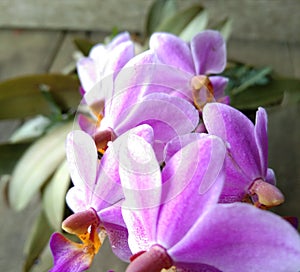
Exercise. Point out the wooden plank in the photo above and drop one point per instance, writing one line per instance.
(26, 52)
(253, 19)
(282, 57)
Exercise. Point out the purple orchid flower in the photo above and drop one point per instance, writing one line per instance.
(198, 62)
(174, 219)
(247, 171)
(104, 60)
(96, 187)
(169, 116)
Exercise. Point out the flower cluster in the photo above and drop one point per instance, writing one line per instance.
(165, 168)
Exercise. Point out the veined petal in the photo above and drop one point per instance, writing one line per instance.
(219, 84)
(240, 237)
(118, 39)
(118, 57)
(190, 186)
(116, 230)
(82, 158)
(87, 72)
(172, 51)
(68, 256)
(261, 137)
(141, 181)
(179, 142)
(77, 199)
(177, 113)
(209, 52)
(238, 132)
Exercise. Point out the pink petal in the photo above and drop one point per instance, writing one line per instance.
(141, 181)
(117, 232)
(238, 131)
(240, 237)
(190, 186)
(261, 137)
(172, 51)
(87, 72)
(219, 84)
(209, 52)
(82, 158)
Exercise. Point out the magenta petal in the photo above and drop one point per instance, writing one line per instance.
(68, 256)
(240, 237)
(238, 132)
(261, 137)
(270, 177)
(175, 112)
(172, 51)
(190, 186)
(179, 142)
(209, 52)
(219, 84)
(236, 185)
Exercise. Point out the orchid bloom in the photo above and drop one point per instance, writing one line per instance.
(104, 60)
(169, 116)
(247, 172)
(197, 61)
(174, 219)
(96, 187)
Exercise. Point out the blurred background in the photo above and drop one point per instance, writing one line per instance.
(37, 37)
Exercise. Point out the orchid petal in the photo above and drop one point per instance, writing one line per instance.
(172, 51)
(209, 52)
(261, 137)
(270, 177)
(68, 256)
(190, 186)
(238, 131)
(117, 232)
(238, 237)
(77, 199)
(87, 72)
(119, 39)
(179, 142)
(219, 84)
(177, 113)
(118, 57)
(82, 158)
(236, 185)
(141, 181)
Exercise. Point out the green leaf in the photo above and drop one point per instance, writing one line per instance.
(291, 97)
(84, 45)
(159, 10)
(37, 240)
(31, 129)
(256, 77)
(9, 155)
(21, 97)
(198, 24)
(177, 22)
(266, 95)
(36, 165)
(55, 194)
